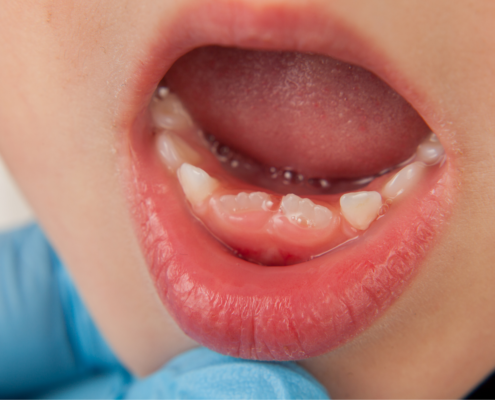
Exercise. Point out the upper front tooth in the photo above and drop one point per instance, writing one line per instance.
(196, 183)
(245, 202)
(304, 212)
(169, 113)
(175, 151)
(403, 180)
(360, 209)
(430, 151)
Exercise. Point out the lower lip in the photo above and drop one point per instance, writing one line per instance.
(277, 313)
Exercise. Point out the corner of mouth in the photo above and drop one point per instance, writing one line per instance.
(279, 313)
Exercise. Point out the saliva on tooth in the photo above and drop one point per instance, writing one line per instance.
(270, 228)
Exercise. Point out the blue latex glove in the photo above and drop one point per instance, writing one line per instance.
(50, 348)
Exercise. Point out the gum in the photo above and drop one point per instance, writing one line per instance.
(268, 237)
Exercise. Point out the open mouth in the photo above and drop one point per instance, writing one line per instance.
(280, 254)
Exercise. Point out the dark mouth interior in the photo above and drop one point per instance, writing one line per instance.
(296, 122)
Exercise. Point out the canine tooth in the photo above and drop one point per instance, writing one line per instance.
(304, 212)
(245, 202)
(169, 113)
(175, 151)
(403, 180)
(360, 209)
(196, 183)
(430, 151)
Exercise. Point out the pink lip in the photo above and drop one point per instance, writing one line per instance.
(271, 313)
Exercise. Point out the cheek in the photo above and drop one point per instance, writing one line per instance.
(58, 106)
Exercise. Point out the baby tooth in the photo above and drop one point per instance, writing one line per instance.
(245, 202)
(169, 113)
(304, 212)
(360, 209)
(403, 180)
(430, 152)
(174, 151)
(290, 204)
(196, 183)
(163, 92)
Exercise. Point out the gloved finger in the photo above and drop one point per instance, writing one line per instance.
(203, 374)
(46, 334)
(107, 385)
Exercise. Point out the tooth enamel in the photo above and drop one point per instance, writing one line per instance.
(404, 180)
(169, 113)
(246, 202)
(360, 209)
(174, 151)
(430, 151)
(432, 137)
(196, 183)
(163, 92)
(304, 212)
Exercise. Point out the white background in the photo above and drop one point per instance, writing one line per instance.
(14, 210)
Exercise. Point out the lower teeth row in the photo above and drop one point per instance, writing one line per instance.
(263, 214)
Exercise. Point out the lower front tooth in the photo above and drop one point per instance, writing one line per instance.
(174, 151)
(196, 183)
(304, 212)
(256, 201)
(360, 209)
(404, 180)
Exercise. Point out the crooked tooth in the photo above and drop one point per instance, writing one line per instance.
(304, 212)
(175, 151)
(360, 209)
(196, 183)
(403, 180)
(169, 113)
(246, 202)
(430, 151)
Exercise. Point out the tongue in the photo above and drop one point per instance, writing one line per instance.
(316, 115)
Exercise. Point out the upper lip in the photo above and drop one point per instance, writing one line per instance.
(277, 27)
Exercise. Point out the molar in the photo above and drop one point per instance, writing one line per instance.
(196, 183)
(430, 151)
(169, 113)
(360, 209)
(403, 180)
(304, 212)
(175, 151)
(256, 201)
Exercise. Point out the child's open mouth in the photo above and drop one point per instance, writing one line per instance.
(280, 254)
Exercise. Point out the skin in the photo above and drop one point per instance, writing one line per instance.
(63, 84)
